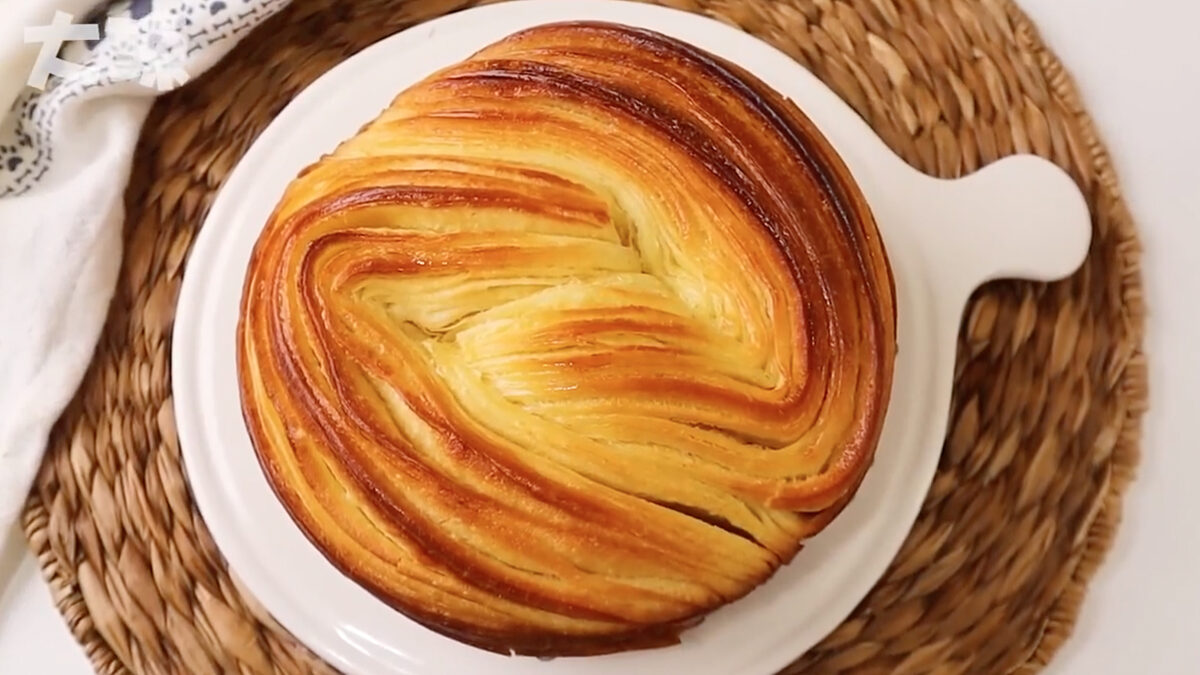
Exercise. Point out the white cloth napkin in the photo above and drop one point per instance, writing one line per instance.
(65, 152)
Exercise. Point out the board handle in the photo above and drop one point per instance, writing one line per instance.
(1020, 217)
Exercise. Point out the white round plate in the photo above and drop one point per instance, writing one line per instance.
(1018, 217)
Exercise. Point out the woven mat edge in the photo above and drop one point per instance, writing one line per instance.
(1132, 386)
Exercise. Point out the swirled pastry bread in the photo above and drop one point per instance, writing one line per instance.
(574, 343)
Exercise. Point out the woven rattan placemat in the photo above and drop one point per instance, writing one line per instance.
(1049, 391)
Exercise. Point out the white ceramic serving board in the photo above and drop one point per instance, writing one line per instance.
(1021, 217)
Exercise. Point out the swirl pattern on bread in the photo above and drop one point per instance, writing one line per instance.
(579, 340)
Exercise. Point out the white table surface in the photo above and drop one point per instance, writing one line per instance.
(1138, 66)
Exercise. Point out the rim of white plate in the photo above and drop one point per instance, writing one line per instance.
(356, 632)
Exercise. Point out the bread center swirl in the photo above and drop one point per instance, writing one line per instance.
(579, 339)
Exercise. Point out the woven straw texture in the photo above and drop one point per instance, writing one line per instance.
(1050, 379)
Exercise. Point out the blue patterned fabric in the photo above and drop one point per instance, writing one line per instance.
(150, 46)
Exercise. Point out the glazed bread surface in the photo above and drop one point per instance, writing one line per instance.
(577, 341)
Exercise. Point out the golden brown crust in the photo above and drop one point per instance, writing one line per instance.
(576, 342)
